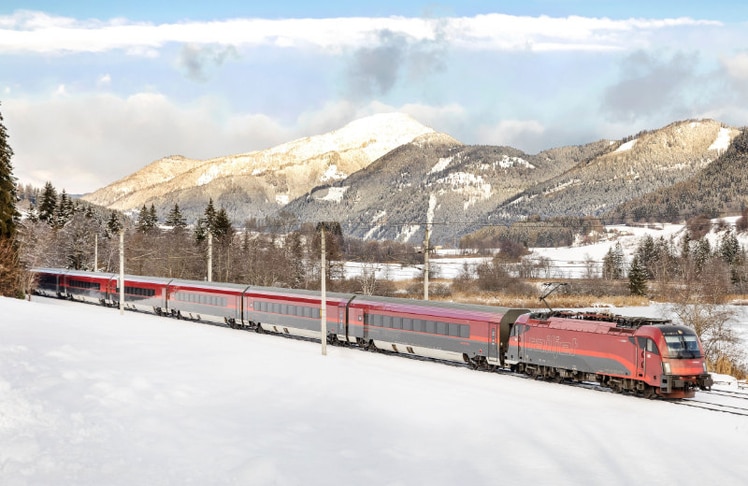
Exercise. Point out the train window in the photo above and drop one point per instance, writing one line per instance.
(431, 327)
(418, 325)
(139, 291)
(407, 324)
(464, 331)
(82, 284)
(647, 344)
(441, 328)
(454, 330)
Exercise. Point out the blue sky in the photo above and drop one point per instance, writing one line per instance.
(92, 91)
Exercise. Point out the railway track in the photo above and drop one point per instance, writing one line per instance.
(723, 401)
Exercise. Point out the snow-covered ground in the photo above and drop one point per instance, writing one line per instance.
(92, 397)
(566, 262)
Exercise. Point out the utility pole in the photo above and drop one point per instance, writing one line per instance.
(427, 246)
(426, 269)
(323, 292)
(210, 256)
(96, 252)
(121, 272)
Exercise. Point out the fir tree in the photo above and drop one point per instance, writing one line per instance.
(637, 277)
(613, 263)
(147, 219)
(113, 225)
(175, 218)
(210, 215)
(729, 248)
(9, 215)
(48, 204)
(222, 227)
(64, 211)
(11, 273)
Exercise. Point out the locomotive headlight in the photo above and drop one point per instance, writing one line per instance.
(666, 368)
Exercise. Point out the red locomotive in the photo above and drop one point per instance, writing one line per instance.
(648, 357)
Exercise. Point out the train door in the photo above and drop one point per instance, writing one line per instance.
(493, 342)
(341, 332)
(647, 359)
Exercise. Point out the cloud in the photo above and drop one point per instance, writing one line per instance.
(375, 69)
(25, 31)
(737, 67)
(83, 143)
(195, 60)
(514, 133)
(652, 85)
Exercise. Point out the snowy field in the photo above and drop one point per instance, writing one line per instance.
(566, 262)
(91, 397)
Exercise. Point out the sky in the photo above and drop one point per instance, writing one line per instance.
(91, 92)
(89, 396)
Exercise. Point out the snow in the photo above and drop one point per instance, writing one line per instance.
(89, 396)
(626, 146)
(722, 142)
(508, 162)
(333, 194)
(333, 174)
(442, 164)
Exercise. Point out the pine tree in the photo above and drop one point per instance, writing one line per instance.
(64, 211)
(222, 227)
(11, 274)
(637, 277)
(48, 204)
(9, 215)
(113, 225)
(210, 215)
(729, 248)
(152, 217)
(175, 218)
(613, 263)
(147, 219)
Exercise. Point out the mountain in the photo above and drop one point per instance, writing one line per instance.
(458, 185)
(386, 176)
(631, 168)
(717, 189)
(257, 184)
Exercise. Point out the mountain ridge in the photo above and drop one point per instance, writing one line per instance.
(380, 176)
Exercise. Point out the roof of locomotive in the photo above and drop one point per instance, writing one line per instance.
(595, 321)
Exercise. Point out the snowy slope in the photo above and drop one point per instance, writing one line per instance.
(88, 396)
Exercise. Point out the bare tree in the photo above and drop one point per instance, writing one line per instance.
(712, 323)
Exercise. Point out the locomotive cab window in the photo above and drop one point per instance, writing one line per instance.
(648, 345)
(682, 345)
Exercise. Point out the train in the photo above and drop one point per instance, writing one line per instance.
(647, 357)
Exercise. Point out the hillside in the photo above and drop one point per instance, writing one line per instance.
(715, 190)
(458, 185)
(632, 167)
(384, 176)
(257, 184)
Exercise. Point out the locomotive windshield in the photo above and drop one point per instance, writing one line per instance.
(682, 345)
